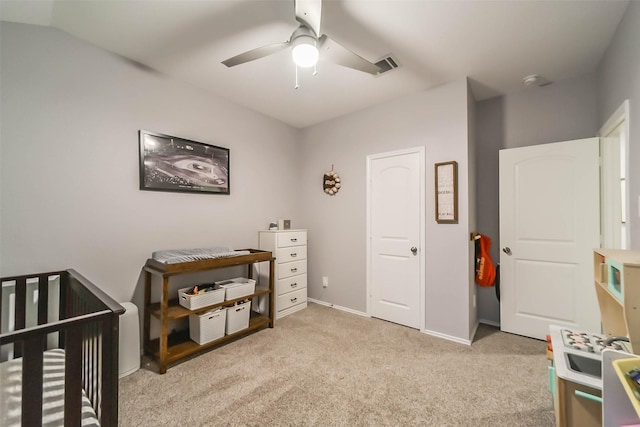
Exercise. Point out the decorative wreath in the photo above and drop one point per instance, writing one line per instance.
(331, 182)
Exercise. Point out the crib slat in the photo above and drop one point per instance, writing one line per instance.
(43, 299)
(20, 309)
(21, 303)
(110, 342)
(90, 359)
(72, 375)
(32, 361)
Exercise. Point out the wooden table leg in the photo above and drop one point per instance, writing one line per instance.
(146, 332)
(164, 330)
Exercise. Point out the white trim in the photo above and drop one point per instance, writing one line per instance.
(446, 337)
(620, 116)
(489, 322)
(422, 232)
(328, 304)
(424, 331)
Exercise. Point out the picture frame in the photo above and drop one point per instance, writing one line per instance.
(446, 186)
(169, 163)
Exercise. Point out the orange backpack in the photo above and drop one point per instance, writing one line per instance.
(485, 269)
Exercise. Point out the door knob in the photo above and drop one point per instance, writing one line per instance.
(507, 250)
(414, 250)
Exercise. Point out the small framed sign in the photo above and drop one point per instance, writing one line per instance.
(446, 180)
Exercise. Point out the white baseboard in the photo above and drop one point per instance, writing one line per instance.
(424, 331)
(446, 337)
(490, 322)
(348, 310)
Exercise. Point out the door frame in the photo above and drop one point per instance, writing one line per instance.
(619, 118)
(420, 150)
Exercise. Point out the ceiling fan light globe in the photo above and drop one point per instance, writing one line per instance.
(304, 53)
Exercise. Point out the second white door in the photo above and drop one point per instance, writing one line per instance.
(395, 256)
(549, 226)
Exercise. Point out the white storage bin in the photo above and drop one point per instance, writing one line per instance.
(238, 287)
(238, 317)
(207, 327)
(194, 302)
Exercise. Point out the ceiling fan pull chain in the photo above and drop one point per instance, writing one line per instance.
(315, 69)
(296, 86)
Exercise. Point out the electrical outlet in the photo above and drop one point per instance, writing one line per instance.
(325, 281)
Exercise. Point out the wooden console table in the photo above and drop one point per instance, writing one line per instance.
(169, 348)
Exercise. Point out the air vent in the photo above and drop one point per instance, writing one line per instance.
(387, 64)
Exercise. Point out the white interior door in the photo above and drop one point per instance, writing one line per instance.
(396, 218)
(549, 225)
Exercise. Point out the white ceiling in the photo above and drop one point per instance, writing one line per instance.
(494, 43)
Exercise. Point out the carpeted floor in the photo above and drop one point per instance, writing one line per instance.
(325, 367)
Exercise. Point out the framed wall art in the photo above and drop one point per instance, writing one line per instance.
(446, 179)
(169, 163)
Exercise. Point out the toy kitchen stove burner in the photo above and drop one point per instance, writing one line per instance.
(589, 342)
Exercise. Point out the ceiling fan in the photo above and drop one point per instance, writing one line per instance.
(307, 45)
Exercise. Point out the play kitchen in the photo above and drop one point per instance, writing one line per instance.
(580, 357)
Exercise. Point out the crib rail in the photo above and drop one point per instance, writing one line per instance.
(81, 319)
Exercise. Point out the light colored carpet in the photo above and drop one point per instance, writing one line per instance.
(322, 366)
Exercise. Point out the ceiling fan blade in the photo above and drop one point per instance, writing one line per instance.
(342, 56)
(309, 13)
(254, 54)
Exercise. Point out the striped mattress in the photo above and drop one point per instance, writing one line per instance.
(188, 255)
(53, 393)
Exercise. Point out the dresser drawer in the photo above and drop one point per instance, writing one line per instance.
(292, 298)
(292, 253)
(293, 268)
(290, 284)
(292, 238)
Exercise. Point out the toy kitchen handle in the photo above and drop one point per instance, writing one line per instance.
(588, 396)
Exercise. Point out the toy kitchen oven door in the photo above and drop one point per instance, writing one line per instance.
(576, 375)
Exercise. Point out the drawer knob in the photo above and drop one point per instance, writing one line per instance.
(293, 285)
(293, 239)
(294, 299)
(293, 270)
(293, 255)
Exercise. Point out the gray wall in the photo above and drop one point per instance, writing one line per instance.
(69, 163)
(571, 109)
(69, 174)
(619, 79)
(436, 119)
(69, 167)
(563, 111)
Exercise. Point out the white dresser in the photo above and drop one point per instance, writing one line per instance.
(290, 249)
